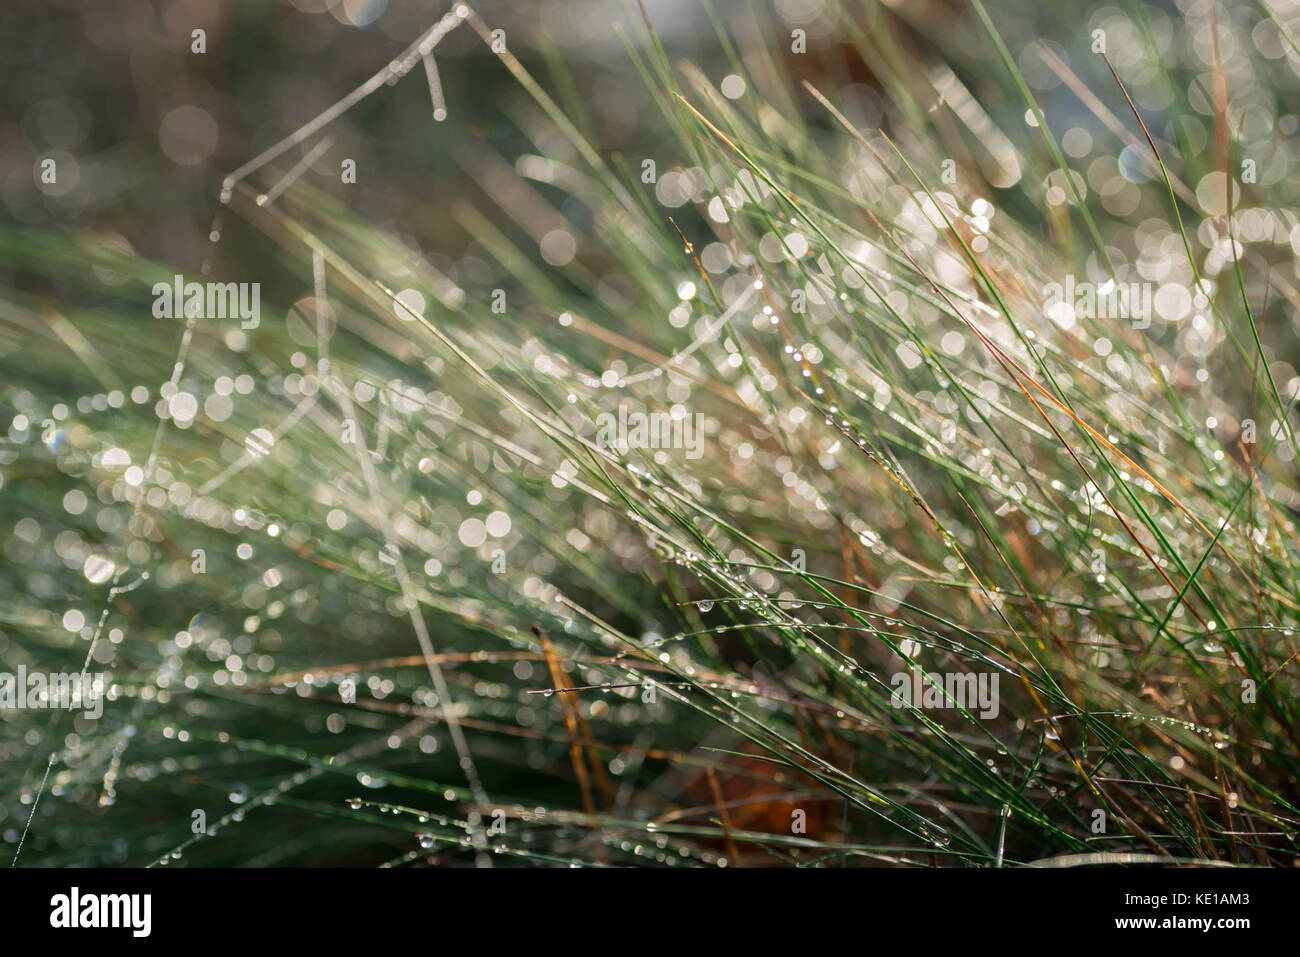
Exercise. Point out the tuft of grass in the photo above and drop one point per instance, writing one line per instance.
(441, 621)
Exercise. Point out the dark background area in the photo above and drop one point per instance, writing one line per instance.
(144, 129)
